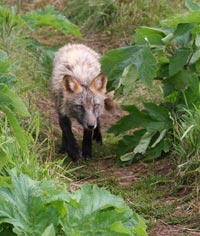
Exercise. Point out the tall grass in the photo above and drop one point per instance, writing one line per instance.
(119, 19)
(186, 146)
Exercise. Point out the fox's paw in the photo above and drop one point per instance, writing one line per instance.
(73, 153)
(98, 138)
(86, 153)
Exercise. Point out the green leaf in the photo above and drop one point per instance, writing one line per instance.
(49, 231)
(197, 40)
(129, 142)
(178, 82)
(50, 17)
(183, 28)
(19, 133)
(135, 119)
(183, 35)
(160, 137)
(156, 152)
(147, 35)
(26, 205)
(115, 61)
(178, 60)
(98, 212)
(118, 227)
(144, 142)
(191, 17)
(195, 57)
(192, 6)
(128, 157)
(129, 76)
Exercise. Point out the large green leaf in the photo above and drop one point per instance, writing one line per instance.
(178, 61)
(49, 231)
(115, 61)
(95, 211)
(129, 76)
(191, 17)
(50, 17)
(178, 82)
(135, 119)
(153, 117)
(27, 205)
(144, 142)
(147, 35)
(183, 36)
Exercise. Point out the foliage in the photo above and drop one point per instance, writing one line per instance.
(42, 17)
(31, 207)
(93, 14)
(11, 102)
(150, 140)
(20, 144)
(117, 19)
(169, 54)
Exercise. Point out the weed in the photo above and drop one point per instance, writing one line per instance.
(186, 146)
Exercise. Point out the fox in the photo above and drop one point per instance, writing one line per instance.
(78, 87)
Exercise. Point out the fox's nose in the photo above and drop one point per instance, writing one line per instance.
(91, 126)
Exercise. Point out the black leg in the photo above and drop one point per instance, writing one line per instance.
(87, 144)
(69, 143)
(97, 134)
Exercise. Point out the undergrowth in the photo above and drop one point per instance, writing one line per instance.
(119, 19)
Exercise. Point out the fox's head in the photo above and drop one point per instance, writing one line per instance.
(85, 103)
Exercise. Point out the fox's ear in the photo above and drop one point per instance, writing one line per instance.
(71, 85)
(99, 84)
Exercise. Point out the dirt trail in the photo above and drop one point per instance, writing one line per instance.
(100, 170)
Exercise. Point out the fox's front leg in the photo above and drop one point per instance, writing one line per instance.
(69, 143)
(97, 133)
(87, 144)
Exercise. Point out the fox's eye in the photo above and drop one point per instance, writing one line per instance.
(96, 106)
(79, 107)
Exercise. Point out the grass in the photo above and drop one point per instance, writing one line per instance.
(186, 150)
(118, 19)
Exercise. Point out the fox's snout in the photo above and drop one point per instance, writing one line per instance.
(91, 127)
(88, 119)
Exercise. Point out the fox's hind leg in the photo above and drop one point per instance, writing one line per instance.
(97, 133)
(69, 143)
